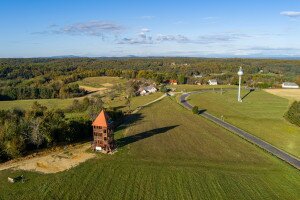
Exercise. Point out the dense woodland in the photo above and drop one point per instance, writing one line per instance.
(55, 78)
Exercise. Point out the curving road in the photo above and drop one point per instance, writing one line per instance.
(255, 140)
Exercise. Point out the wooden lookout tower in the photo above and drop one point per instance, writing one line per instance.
(103, 133)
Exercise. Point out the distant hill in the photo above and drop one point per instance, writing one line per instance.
(66, 56)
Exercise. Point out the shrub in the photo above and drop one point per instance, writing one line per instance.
(195, 110)
(293, 114)
(163, 89)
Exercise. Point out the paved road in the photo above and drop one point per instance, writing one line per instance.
(255, 140)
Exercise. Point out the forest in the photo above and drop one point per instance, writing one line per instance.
(43, 78)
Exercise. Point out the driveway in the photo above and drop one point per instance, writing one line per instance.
(249, 137)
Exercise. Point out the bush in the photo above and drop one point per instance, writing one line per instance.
(195, 110)
(293, 114)
(163, 89)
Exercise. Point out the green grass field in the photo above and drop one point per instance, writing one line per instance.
(101, 81)
(65, 103)
(26, 104)
(96, 82)
(260, 113)
(166, 152)
(189, 88)
(135, 101)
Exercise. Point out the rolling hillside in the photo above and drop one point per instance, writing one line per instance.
(166, 152)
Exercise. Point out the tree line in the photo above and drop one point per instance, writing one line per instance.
(56, 78)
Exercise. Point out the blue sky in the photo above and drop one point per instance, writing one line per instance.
(215, 28)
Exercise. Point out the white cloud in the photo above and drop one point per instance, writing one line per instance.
(217, 38)
(144, 38)
(172, 38)
(91, 28)
(290, 13)
(145, 30)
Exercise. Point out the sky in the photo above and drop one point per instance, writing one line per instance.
(195, 28)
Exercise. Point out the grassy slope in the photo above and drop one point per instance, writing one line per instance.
(120, 104)
(135, 101)
(174, 155)
(62, 103)
(26, 104)
(187, 87)
(99, 81)
(260, 113)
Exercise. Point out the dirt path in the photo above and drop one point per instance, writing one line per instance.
(53, 162)
(149, 103)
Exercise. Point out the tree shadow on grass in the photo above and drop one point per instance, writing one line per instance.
(119, 107)
(140, 136)
(129, 120)
(201, 111)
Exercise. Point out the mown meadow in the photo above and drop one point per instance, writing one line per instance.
(166, 152)
(260, 113)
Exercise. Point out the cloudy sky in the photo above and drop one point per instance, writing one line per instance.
(215, 28)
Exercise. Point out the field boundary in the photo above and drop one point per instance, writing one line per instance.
(149, 103)
(295, 162)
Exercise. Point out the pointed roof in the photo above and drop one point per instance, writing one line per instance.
(101, 120)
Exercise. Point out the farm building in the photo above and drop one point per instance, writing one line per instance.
(172, 82)
(103, 133)
(212, 82)
(290, 85)
(147, 90)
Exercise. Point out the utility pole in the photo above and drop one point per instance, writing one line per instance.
(240, 74)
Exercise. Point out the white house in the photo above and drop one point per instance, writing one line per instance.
(198, 76)
(147, 90)
(212, 82)
(290, 85)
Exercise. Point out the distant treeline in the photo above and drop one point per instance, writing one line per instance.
(41, 92)
(53, 78)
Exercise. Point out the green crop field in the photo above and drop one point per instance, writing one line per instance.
(166, 152)
(101, 81)
(260, 113)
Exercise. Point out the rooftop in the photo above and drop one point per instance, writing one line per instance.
(289, 84)
(101, 120)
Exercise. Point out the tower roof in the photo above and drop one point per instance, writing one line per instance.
(101, 120)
